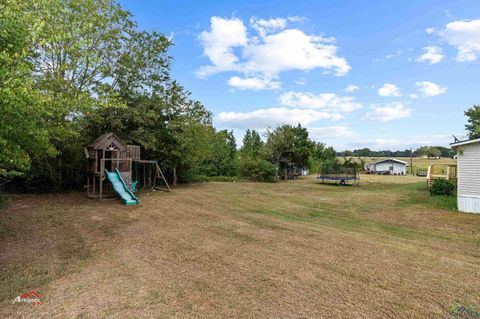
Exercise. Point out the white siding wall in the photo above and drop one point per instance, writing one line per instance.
(468, 204)
(398, 168)
(468, 173)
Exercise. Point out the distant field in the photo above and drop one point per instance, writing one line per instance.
(418, 162)
(296, 249)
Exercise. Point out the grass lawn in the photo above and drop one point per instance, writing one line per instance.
(385, 249)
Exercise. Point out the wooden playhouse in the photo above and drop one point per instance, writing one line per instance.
(116, 169)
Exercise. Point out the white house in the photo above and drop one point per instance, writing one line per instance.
(390, 166)
(468, 175)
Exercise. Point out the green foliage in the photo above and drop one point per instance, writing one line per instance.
(320, 154)
(22, 109)
(220, 151)
(97, 73)
(473, 126)
(442, 187)
(252, 145)
(288, 146)
(366, 152)
(429, 151)
(258, 170)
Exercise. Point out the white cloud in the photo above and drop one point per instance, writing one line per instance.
(264, 27)
(431, 54)
(351, 88)
(276, 49)
(218, 45)
(465, 36)
(330, 132)
(297, 19)
(328, 101)
(387, 113)
(414, 96)
(430, 30)
(253, 83)
(428, 88)
(273, 116)
(389, 89)
(291, 49)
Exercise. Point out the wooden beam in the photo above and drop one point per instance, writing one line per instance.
(159, 171)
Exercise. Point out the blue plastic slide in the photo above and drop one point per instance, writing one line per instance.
(121, 188)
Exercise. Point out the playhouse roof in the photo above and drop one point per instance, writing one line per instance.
(105, 140)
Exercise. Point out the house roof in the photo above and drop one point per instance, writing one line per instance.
(106, 138)
(460, 143)
(391, 160)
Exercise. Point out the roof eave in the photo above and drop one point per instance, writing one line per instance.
(477, 140)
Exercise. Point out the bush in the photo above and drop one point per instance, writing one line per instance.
(258, 170)
(442, 187)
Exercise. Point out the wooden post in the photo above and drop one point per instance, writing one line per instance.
(144, 176)
(102, 166)
(159, 171)
(411, 161)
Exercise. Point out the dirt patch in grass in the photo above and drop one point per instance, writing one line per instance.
(293, 249)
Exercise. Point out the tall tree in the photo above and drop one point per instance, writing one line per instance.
(473, 118)
(22, 109)
(429, 151)
(252, 145)
(73, 49)
(288, 145)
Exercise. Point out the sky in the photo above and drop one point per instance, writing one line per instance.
(377, 74)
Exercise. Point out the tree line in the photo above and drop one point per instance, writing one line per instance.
(428, 151)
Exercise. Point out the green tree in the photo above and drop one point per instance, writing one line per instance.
(73, 50)
(473, 118)
(252, 145)
(320, 155)
(22, 109)
(288, 146)
(157, 112)
(219, 159)
(429, 151)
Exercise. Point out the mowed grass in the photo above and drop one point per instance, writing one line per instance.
(384, 249)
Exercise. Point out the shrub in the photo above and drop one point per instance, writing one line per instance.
(258, 170)
(442, 187)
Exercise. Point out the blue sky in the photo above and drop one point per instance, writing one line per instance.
(377, 74)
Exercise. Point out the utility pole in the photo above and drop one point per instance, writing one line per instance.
(411, 161)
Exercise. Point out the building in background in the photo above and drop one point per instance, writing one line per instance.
(389, 166)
